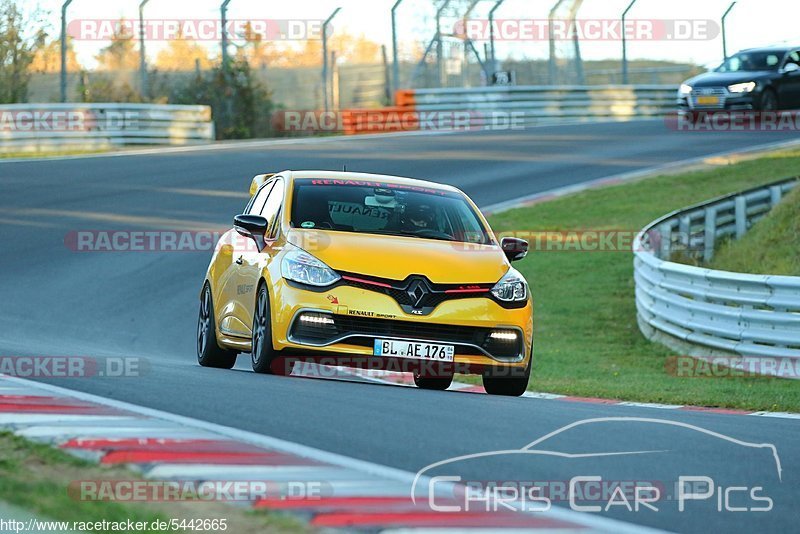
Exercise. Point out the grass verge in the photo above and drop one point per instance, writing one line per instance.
(36, 476)
(587, 339)
(772, 246)
(55, 153)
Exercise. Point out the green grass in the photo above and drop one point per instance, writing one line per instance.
(772, 246)
(586, 337)
(50, 154)
(35, 477)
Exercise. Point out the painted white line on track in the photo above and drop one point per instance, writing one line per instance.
(143, 432)
(9, 418)
(460, 386)
(264, 143)
(500, 207)
(779, 415)
(397, 475)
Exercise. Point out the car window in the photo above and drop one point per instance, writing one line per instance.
(752, 61)
(272, 207)
(257, 205)
(387, 209)
(794, 57)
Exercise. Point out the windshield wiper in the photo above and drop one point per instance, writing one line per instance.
(438, 236)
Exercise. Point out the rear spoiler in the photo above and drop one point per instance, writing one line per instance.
(258, 181)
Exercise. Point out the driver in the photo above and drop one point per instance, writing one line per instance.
(419, 217)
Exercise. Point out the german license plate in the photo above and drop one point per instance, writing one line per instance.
(708, 100)
(415, 351)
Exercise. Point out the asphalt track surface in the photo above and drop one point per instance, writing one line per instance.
(54, 301)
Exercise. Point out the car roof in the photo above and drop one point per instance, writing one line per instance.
(774, 48)
(367, 177)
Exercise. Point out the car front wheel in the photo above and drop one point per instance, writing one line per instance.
(209, 353)
(769, 100)
(265, 359)
(433, 382)
(511, 385)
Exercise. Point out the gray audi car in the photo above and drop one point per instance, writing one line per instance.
(759, 79)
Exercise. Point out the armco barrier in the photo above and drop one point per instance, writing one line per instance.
(528, 105)
(48, 127)
(709, 311)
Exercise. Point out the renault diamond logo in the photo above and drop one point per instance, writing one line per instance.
(417, 292)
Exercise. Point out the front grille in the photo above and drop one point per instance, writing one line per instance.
(720, 92)
(409, 329)
(402, 291)
(363, 331)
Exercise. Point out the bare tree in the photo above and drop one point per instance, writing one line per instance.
(17, 49)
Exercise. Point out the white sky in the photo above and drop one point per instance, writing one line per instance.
(751, 23)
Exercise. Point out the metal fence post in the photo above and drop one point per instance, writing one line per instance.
(552, 62)
(223, 12)
(625, 43)
(395, 64)
(684, 233)
(576, 41)
(63, 80)
(439, 44)
(740, 208)
(710, 234)
(665, 248)
(142, 62)
(325, 58)
(775, 195)
(491, 33)
(724, 33)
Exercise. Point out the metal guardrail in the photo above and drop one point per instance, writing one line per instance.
(715, 311)
(548, 103)
(63, 127)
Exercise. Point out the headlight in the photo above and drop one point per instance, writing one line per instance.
(511, 288)
(742, 87)
(300, 266)
(685, 89)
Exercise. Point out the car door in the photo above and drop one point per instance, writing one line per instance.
(789, 83)
(249, 270)
(233, 248)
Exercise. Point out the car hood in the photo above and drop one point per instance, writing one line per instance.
(396, 258)
(724, 79)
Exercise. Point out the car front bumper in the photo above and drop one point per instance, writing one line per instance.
(727, 102)
(360, 316)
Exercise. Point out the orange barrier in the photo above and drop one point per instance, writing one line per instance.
(404, 98)
(392, 119)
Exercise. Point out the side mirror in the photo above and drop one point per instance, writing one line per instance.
(252, 226)
(515, 249)
(791, 67)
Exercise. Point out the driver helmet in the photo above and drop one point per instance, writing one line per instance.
(420, 216)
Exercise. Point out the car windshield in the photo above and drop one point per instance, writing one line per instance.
(751, 61)
(385, 209)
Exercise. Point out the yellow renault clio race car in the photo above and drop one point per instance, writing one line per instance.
(371, 271)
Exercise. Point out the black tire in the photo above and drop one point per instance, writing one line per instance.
(508, 386)
(265, 359)
(209, 353)
(769, 100)
(435, 383)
